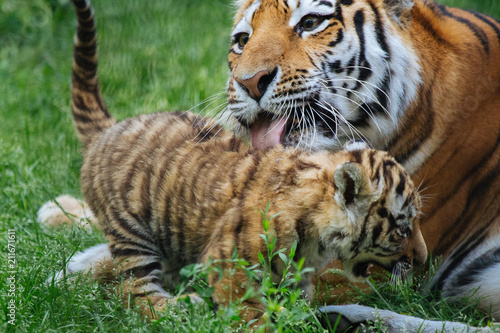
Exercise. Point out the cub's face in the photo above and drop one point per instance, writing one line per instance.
(390, 237)
(378, 221)
(316, 73)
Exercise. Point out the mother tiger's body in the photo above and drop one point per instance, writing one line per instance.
(415, 78)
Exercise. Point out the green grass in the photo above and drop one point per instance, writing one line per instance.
(154, 55)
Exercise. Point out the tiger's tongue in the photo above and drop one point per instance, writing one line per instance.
(266, 133)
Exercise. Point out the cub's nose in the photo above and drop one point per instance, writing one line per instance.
(257, 85)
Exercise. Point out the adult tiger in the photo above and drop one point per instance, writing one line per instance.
(418, 79)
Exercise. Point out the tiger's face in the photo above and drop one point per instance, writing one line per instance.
(316, 74)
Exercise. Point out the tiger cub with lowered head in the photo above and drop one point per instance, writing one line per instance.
(170, 189)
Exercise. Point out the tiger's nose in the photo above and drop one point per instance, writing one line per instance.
(257, 85)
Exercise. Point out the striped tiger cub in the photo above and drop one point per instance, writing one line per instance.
(170, 189)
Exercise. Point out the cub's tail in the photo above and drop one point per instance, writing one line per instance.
(90, 114)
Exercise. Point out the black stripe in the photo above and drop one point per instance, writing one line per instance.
(402, 183)
(338, 39)
(377, 230)
(84, 35)
(350, 65)
(477, 31)
(132, 252)
(383, 212)
(470, 274)
(336, 67)
(81, 118)
(86, 24)
(337, 15)
(457, 256)
(129, 226)
(486, 20)
(364, 66)
(84, 63)
(382, 103)
(300, 229)
(80, 4)
(84, 14)
(122, 241)
(475, 193)
(423, 133)
(87, 50)
(379, 31)
(83, 83)
(142, 271)
(96, 93)
(429, 27)
(361, 237)
(357, 156)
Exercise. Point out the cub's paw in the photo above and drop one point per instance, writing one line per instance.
(68, 210)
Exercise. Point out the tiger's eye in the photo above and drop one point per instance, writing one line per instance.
(243, 39)
(310, 22)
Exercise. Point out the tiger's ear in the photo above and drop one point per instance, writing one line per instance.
(353, 190)
(399, 10)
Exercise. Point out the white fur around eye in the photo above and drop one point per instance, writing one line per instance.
(309, 7)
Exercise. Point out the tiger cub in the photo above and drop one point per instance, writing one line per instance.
(170, 189)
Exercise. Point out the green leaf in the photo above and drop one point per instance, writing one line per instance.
(261, 258)
(265, 223)
(283, 257)
(205, 292)
(272, 217)
(293, 249)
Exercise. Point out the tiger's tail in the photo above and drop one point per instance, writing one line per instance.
(90, 113)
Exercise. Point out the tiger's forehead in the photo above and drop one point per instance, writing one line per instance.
(295, 9)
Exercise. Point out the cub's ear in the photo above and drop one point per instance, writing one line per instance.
(349, 181)
(399, 10)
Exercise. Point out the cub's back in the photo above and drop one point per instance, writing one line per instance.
(125, 170)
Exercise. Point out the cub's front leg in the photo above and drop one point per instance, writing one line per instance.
(233, 286)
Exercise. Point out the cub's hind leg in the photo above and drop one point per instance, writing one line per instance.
(143, 270)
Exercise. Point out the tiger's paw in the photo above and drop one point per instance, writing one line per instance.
(358, 318)
(66, 210)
